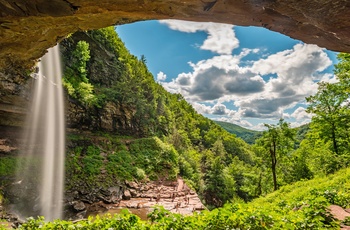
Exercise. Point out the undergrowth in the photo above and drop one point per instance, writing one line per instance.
(302, 205)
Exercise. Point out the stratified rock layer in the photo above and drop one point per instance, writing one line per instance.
(28, 28)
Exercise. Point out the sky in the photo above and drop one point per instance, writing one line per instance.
(248, 76)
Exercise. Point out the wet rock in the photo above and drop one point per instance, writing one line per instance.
(134, 193)
(174, 196)
(132, 184)
(178, 199)
(81, 215)
(79, 206)
(12, 219)
(116, 190)
(126, 195)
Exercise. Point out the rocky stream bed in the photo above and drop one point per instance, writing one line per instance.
(140, 198)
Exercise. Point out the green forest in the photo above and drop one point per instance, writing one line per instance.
(132, 129)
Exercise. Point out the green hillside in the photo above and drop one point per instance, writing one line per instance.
(247, 135)
(112, 94)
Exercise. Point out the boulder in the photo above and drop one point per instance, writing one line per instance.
(126, 195)
(78, 206)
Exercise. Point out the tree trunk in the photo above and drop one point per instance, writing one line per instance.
(273, 166)
(334, 140)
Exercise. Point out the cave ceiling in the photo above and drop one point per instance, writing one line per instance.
(28, 28)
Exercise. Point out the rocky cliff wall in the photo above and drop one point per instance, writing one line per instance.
(28, 28)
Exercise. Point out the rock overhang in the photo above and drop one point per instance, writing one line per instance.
(28, 28)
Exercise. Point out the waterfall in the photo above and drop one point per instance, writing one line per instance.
(41, 172)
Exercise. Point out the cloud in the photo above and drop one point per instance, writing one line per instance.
(267, 107)
(214, 83)
(265, 89)
(161, 76)
(184, 79)
(217, 78)
(300, 114)
(262, 89)
(242, 123)
(219, 109)
(303, 59)
(202, 109)
(221, 37)
(296, 69)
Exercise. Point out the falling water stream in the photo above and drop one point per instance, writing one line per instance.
(42, 171)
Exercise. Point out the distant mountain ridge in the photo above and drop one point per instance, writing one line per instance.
(247, 135)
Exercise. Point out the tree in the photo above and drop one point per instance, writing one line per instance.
(277, 141)
(330, 106)
(75, 75)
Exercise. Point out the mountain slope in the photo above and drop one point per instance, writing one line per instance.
(112, 92)
(247, 135)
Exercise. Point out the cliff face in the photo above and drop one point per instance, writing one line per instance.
(28, 28)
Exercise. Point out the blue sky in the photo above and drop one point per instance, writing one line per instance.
(244, 75)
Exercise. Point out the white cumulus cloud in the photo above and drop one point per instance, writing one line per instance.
(161, 76)
(300, 114)
(258, 89)
(221, 37)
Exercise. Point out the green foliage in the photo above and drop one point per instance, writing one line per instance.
(140, 174)
(189, 166)
(173, 134)
(330, 106)
(301, 133)
(302, 205)
(8, 166)
(92, 165)
(83, 164)
(275, 146)
(168, 138)
(330, 115)
(123, 221)
(75, 75)
(121, 159)
(120, 165)
(157, 158)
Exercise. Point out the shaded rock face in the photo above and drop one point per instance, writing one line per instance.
(28, 28)
(14, 96)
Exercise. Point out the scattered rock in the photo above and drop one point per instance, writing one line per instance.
(174, 196)
(5, 146)
(79, 206)
(338, 212)
(132, 184)
(81, 215)
(126, 195)
(13, 221)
